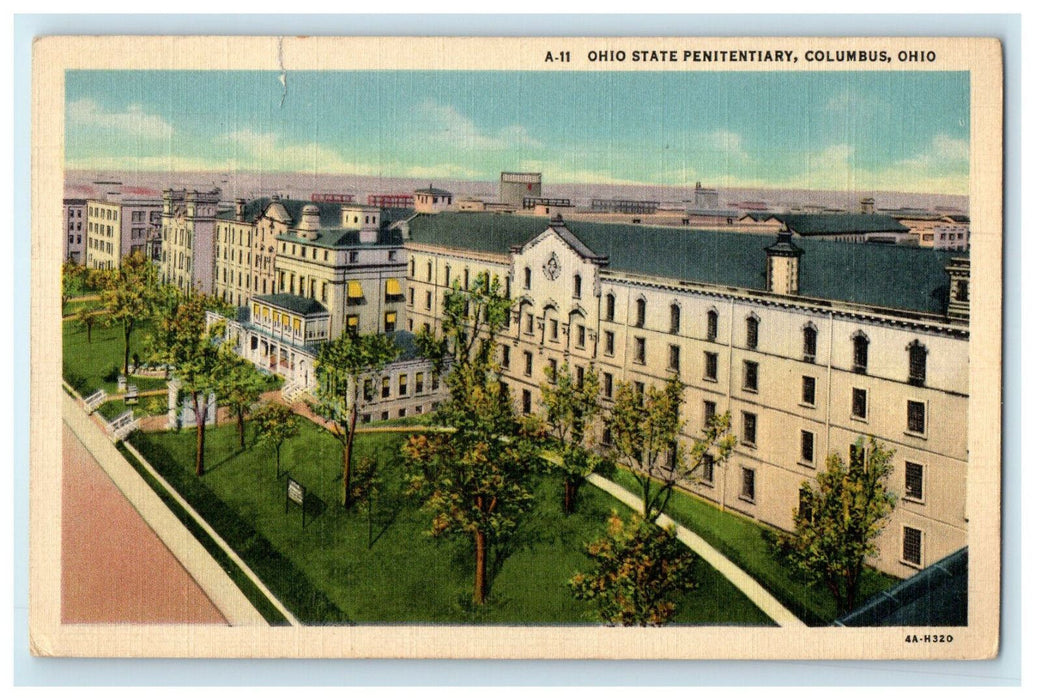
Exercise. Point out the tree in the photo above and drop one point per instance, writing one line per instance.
(641, 570)
(474, 478)
(88, 318)
(239, 386)
(570, 405)
(73, 279)
(130, 296)
(341, 368)
(839, 518)
(194, 351)
(275, 424)
(645, 430)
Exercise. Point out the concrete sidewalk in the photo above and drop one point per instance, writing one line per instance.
(743, 581)
(219, 588)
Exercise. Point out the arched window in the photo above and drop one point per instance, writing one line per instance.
(609, 307)
(674, 318)
(577, 286)
(752, 332)
(412, 267)
(860, 353)
(712, 318)
(916, 363)
(642, 308)
(810, 342)
(430, 268)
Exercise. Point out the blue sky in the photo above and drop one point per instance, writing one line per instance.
(905, 131)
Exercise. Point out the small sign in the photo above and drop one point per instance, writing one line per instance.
(295, 492)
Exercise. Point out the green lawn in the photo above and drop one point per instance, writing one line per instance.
(75, 305)
(116, 407)
(95, 365)
(743, 541)
(334, 570)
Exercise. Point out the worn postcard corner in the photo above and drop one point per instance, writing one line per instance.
(516, 347)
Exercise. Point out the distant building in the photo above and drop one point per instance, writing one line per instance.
(851, 228)
(74, 219)
(431, 200)
(119, 226)
(546, 206)
(187, 248)
(624, 206)
(704, 198)
(391, 201)
(514, 187)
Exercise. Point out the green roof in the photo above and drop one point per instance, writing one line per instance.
(823, 224)
(344, 238)
(304, 306)
(896, 277)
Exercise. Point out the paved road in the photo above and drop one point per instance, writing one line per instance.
(114, 567)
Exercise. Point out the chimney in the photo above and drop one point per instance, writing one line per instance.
(240, 209)
(868, 205)
(783, 265)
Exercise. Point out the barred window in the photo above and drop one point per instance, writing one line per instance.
(810, 343)
(807, 446)
(859, 403)
(809, 390)
(712, 319)
(642, 307)
(749, 428)
(609, 308)
(674, 358)
(914, 481)
(752, 376)
(752, 332)
(916, 363)
(916, 417)
(861, 353)
(674, 318)
(711, 363)
(912, 546)
(748, 484)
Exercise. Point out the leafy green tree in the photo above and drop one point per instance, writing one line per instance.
(570, 405)
(194, 351)
(839, 519)
(88, 318)
(640, 572)
(475, 478)
(342, 366)
(276, 423)
(239, 386)
(130, 296)
(73, 277)
(645, 429)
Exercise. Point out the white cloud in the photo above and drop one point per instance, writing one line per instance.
(268, 151)
(132, 121)
(446, 123)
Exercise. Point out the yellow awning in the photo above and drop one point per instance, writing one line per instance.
(285, 319)
(354, 290)
(296, 324)
(394, 288)
(391, 317)
(352, 322)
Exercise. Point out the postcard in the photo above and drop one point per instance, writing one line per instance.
(563, 348)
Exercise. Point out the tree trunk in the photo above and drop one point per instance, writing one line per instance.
(479, 567)
(242, 429)
(200, 433)
(570, 490)
(127, 328)
(89, 326)
(278, 460)
(345, 494)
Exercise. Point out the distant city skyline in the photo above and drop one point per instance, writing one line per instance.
(893, 131)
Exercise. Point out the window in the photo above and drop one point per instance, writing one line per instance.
(712, 319)
(412, 294)
(352, 324)
(859, 404)
(809, 390)
(528, 278)
(526, 401)
(860, 353)
(916, 417)
(609, 308)
(385, 388)
(553, 329)
(751, 376)
(749, 429)
(609, 385)
(642, 308)
(528, 364)
(403, 384)
(606, 437)
(529, 321)
(419, 382)
(448, 276)
(914, 481)
(912, 546)
(752, 332)
(609, 343)
(708, 412)
(710, 371)
(466, 278)
(638, 350)
(674, 318)
(674, 358)
(552, 369)
(506, 357)
(806, 447)
(580, 336)
(353, 256)
(577, 286)
(638, 389)
(412, 267)
(435, 383)
(390, 321)
(962, 290)
(916, 363)
(810, 343)
(748, 484)
(707, 470)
